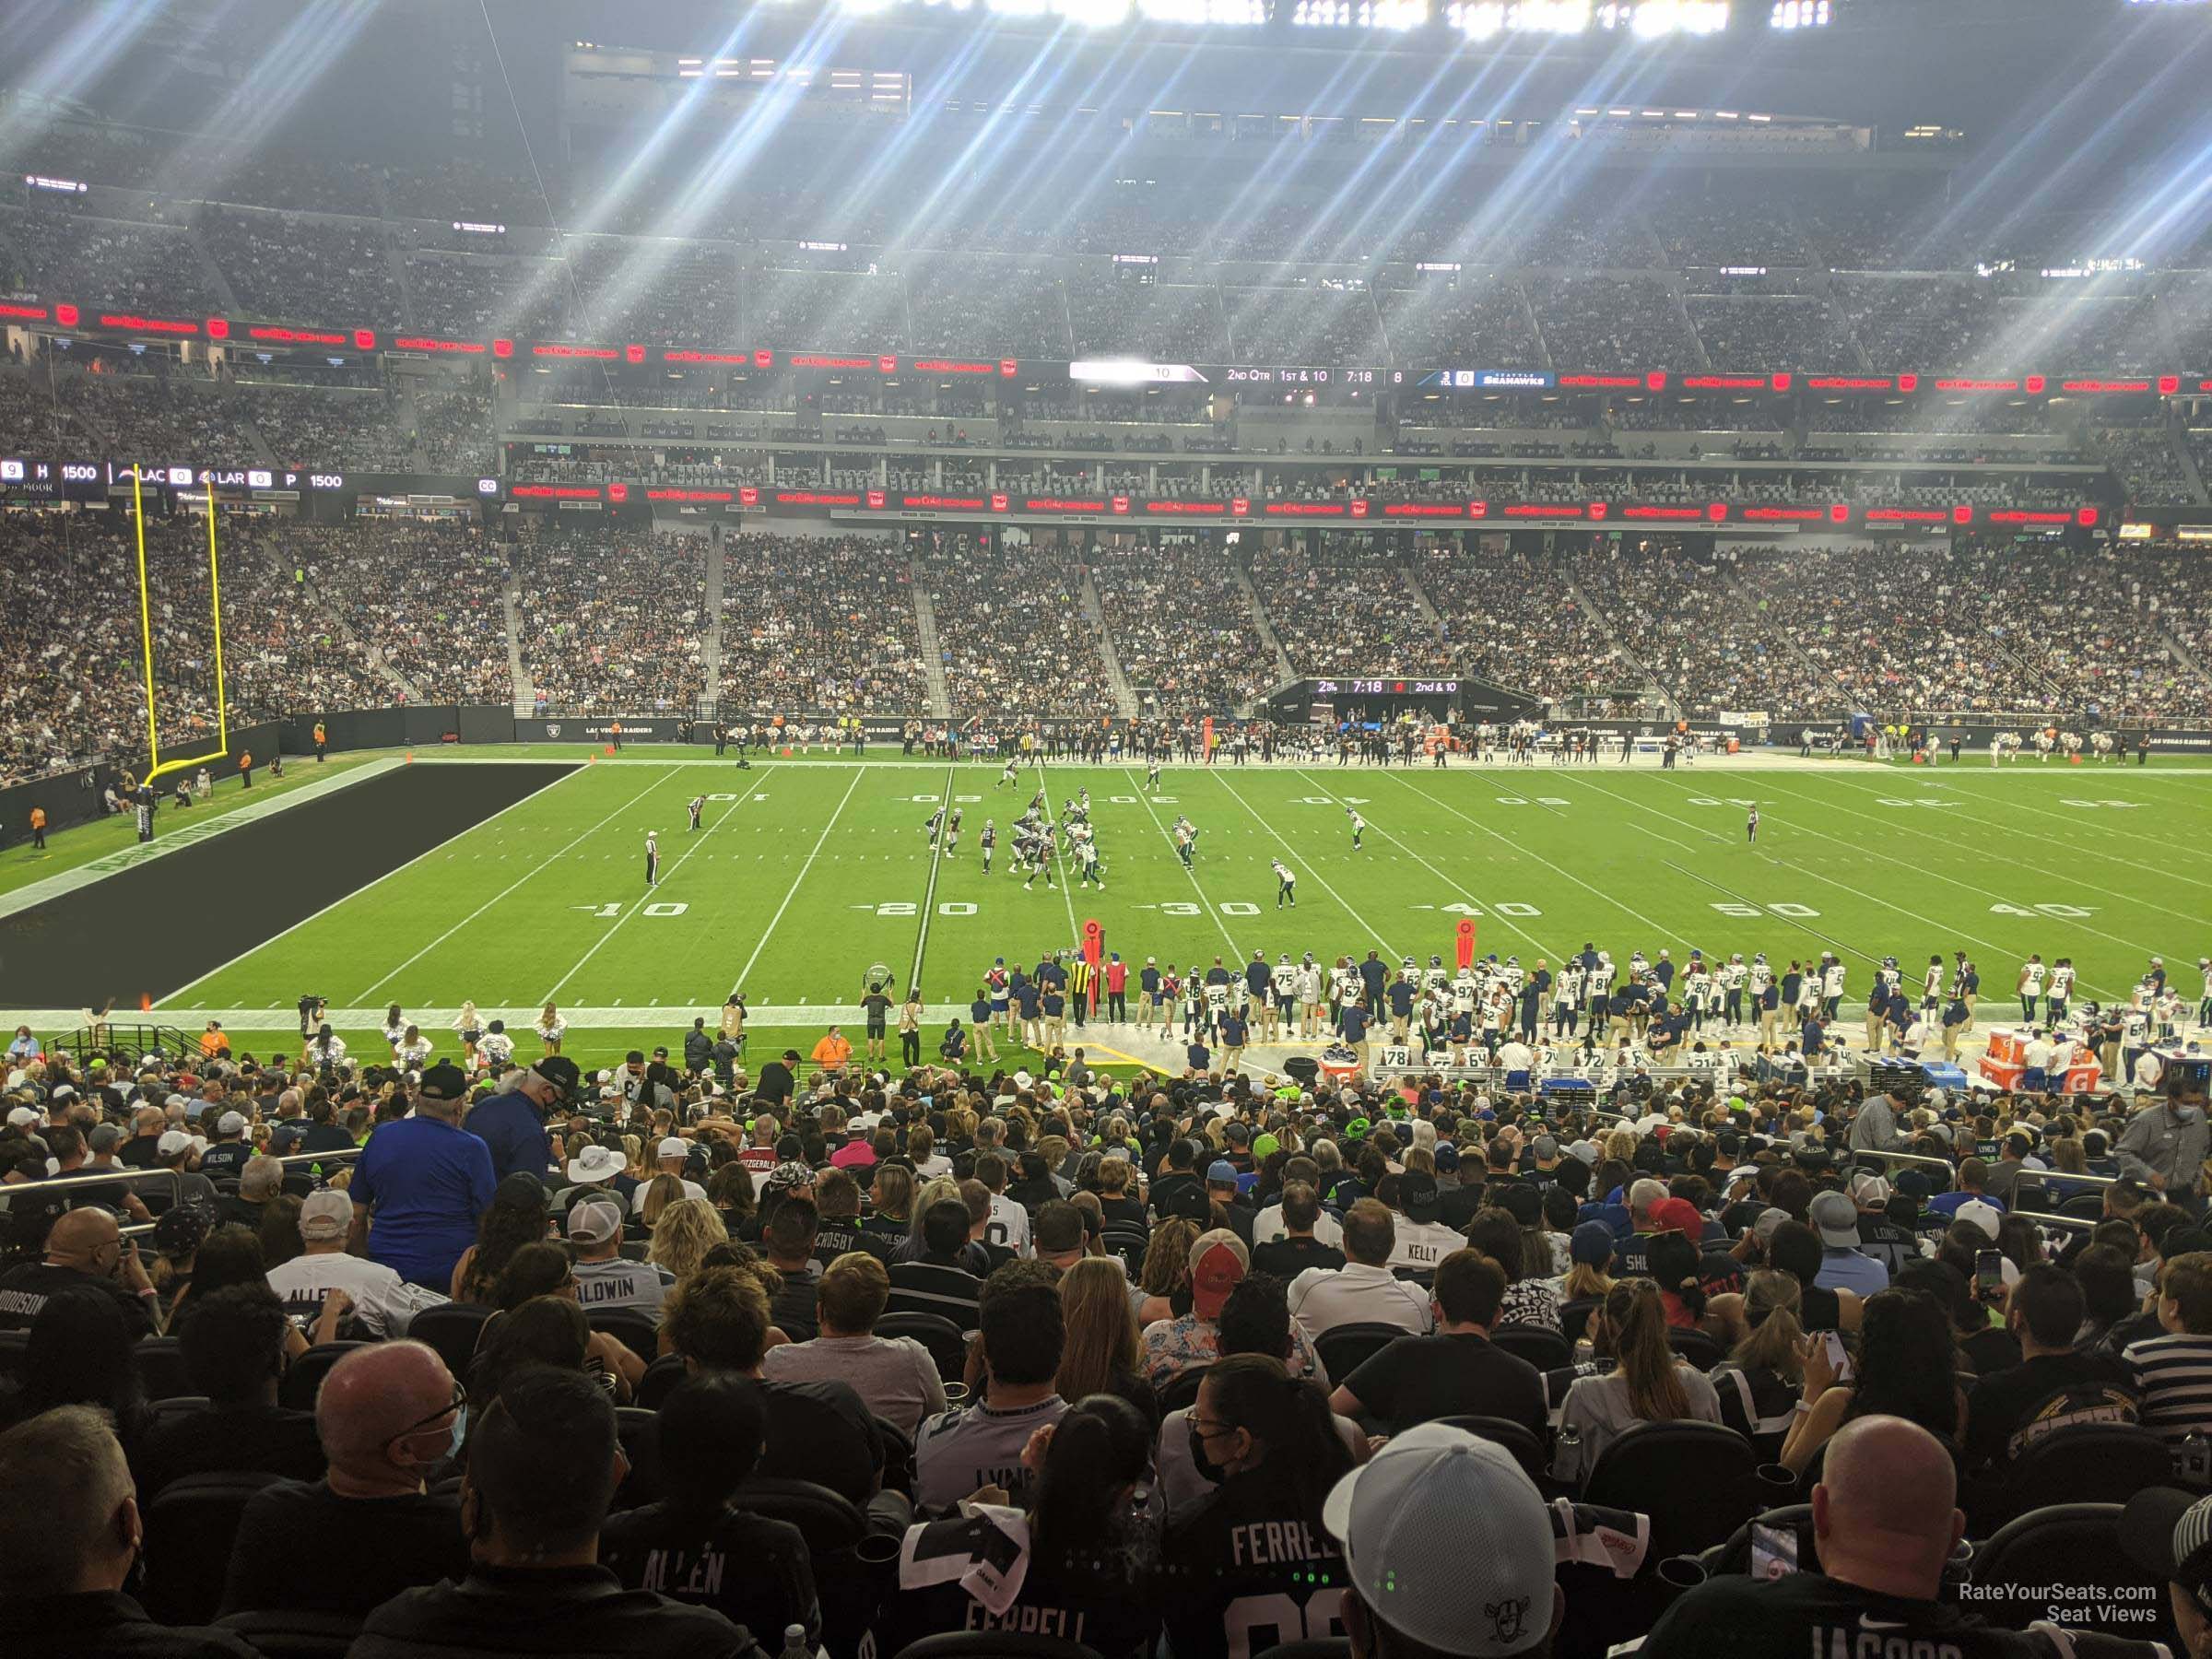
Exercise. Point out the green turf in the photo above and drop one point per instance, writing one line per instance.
(806, 873)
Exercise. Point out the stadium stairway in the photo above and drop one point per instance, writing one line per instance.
(526, 696)
(1421, 599)
(925, 631)
(1265, 628)
(1125, 699)
(710, 638)
(1674, 298)
(1580, 595)
(219, 283)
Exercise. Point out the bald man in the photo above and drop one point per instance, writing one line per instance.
(388, 1417)
(84, 1247)
(69, 1536)
(1884, 1522)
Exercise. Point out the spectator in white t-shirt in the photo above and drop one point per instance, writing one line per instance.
(673, 1152)
(1364, 1291)
(603, 1279)
(382, 1300)
(894, 1375)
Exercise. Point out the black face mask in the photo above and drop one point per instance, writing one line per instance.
(1205, 1465)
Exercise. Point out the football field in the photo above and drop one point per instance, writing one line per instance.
(805, 872)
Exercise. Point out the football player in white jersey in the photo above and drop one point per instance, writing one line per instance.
(1732, 977)
(2204, 1008)
(2031, 986)
(1313, 999)
(1831, 987)
(1931, 986)
(1358, 826)
(2062, 990)
(1286, 884)
(1567, 997)
(1282, 997)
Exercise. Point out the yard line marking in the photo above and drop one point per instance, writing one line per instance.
(1368, 926)
(1467, 893)
(449, 840)
(1555, 869)
(929, 899)
(1170, 839)
(2168, 872)
(647, 896)
(1059, 854)
(503, 892)
(759, 945)
(1986, 892)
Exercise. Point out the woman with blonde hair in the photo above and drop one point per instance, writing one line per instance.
(686, 1230)
(1757, 1382)
(1648, 1383)
(550, 1027)
(1165, 1279)
(1099, 1351)
(660, 1193)
(922, 1147)
(469, 1026)
(1621, 1143)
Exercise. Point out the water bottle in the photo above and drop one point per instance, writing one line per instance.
(794, 1643)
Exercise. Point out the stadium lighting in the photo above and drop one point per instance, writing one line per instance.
(1799, 14)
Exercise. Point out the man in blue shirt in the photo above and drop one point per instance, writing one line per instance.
(979, 1016)
(1233, 1033)
(422, 1183)
(1354, 1020)
(513, 1125)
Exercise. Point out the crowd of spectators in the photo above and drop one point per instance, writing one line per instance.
(1469, 318)
(453, 426)
(1608, 323)
(1760, 336)
(1021, 644)
(1344, 609)
(1926, 323)
(180, 416)
(331, 431)
(31, 423)
(480, 296)
(428, 597)
(2149, 470)
(102, 262)
(819, 625)
(1508, 619)
(987, 308)
(527, 1346)
(304, 269)
(1323, 323)
(1113, 315)
(826, 311)
(1182, 627)
(611, 621)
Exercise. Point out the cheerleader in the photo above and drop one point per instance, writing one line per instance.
(551, 1026)
(412, 1049)
(497, 1048)
(396, 1028)
(469, 1027)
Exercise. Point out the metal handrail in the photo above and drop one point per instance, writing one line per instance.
(119, 1177)
(1944, 1164)
(2043, 1220)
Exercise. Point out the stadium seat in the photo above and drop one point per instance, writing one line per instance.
(1695, 1480)
(634, 1329)
(1182, 1391)
(160, 1362)
(190, 1524)
(177, 1406)
(659, 1380)
(1696, 1348)
(1733, 1557)
(947, 1346)
(453, 1330)
(2093, 1464)
(2065, 1544)
(1128, 1243)
(295, 1635)
(898, 1457)
(12, 1344)
(829, 1521)
(1546, 1350)
(640, 1432)
(1327, 1647)
(1343, 1348)
(1574, 1316)
(304, 1378)
(1516, 1438)
(994, 1644)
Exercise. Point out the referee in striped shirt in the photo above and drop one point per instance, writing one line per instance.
(1080, 975)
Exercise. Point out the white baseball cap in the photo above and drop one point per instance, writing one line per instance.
(672, 1147)
(230, 1123)
(1983, 1216)
(594, 1220)
(325, 1213)
(1448, 1541)
(172, 1142)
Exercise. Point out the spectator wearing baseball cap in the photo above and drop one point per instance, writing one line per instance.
(596, 1171)
(603, 1279)
(1448, 1546)
(1189, 1340)
(383, 1303)
(227, 1158)
(514, 1124)
(178, 1151)
(1843, 1266)
(421, 1184)
(673, 1155)
(1225, 1199)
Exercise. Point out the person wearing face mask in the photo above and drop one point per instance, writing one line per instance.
(390, 1418)
(1248, 1555)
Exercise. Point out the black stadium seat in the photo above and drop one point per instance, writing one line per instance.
(1516, 1438)
(1546, 1350)
(947, 1346)
(452, 1329)
(1695, 1480)
(190, 1524)
(304, 1378)
(1696, 1348)
(2065, 1543)
(640, 1432)
(632, 1327)
(659, 1380)
(160, 1362)
(1182, 1391)
(1343, 1348)
(1327, 1647)
(829, 1521)
(2094, 1464)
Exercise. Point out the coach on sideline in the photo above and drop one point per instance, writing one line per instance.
(513, 1126)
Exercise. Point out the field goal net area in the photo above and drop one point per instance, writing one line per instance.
(178, 578)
